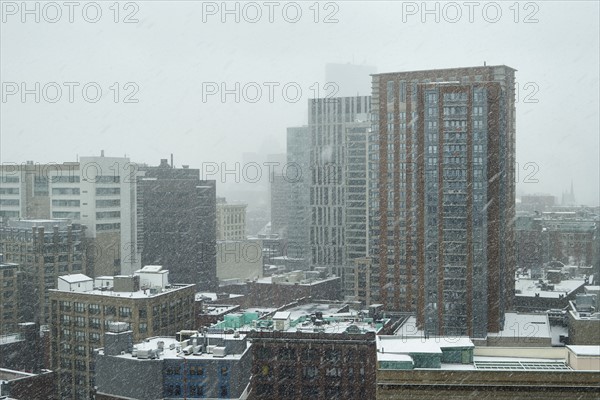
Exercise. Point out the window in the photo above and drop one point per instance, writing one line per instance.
(108, 191)
(196, 370)
(287, 354)
(108, 203)
(310, 372)
(263, 353)
(108, 227)
(196, 390)
(9, 190)
(9, 202)
(107, 179)
(125, 312)
(65, 203)
(65, 306)
(65, 191)
(79, 336)
(108, 214)
(66, 214)
(173, 370)
(65, 179)
(80, 350)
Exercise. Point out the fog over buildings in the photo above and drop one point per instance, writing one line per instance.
(279, 200)
(171, 51)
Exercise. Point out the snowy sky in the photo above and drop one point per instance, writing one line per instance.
(172, 54)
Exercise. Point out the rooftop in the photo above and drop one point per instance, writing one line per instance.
(523, 325)
(308, 318)
(47, 224)
(585, 350)
(290, 279)
(212, 296)
(215, 309)
(75, 278)
(531, 287)
(455, 353)
(10, 338)
(174, 349)
(140, 294)
(10, 375)
(445, 69)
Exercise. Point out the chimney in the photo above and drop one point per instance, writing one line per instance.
(101, 153)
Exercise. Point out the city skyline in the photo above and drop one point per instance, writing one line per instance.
(324, 200)
(552, 150)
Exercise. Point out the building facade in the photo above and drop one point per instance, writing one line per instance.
(176, 223)
(442, 195)
(309, 365)
(298, 176)
(231, 221)
(329, 119)
(10, 283)
(182, 367)
(44, 249)
(280, 190)
(447, 367)
(82, 309)
(97, 192)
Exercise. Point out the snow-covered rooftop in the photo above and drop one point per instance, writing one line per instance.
(530, 287)
(585, 350)
(75, 278)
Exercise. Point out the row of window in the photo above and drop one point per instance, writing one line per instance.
(194, 390)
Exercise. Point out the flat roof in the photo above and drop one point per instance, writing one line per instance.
(303, 282)
(140, 294)
(581, 350)
(302, 310)
(394, 357)
(10, 375)
(177, 352)
(530, 287)
(524, 325)
(212, 296)
(282, 315)
(11, 338)
(443, 69)
(215, 309)
(75, 278)
(407, 346)
(152, 269)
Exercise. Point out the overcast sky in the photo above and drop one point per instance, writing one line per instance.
(170, 56)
